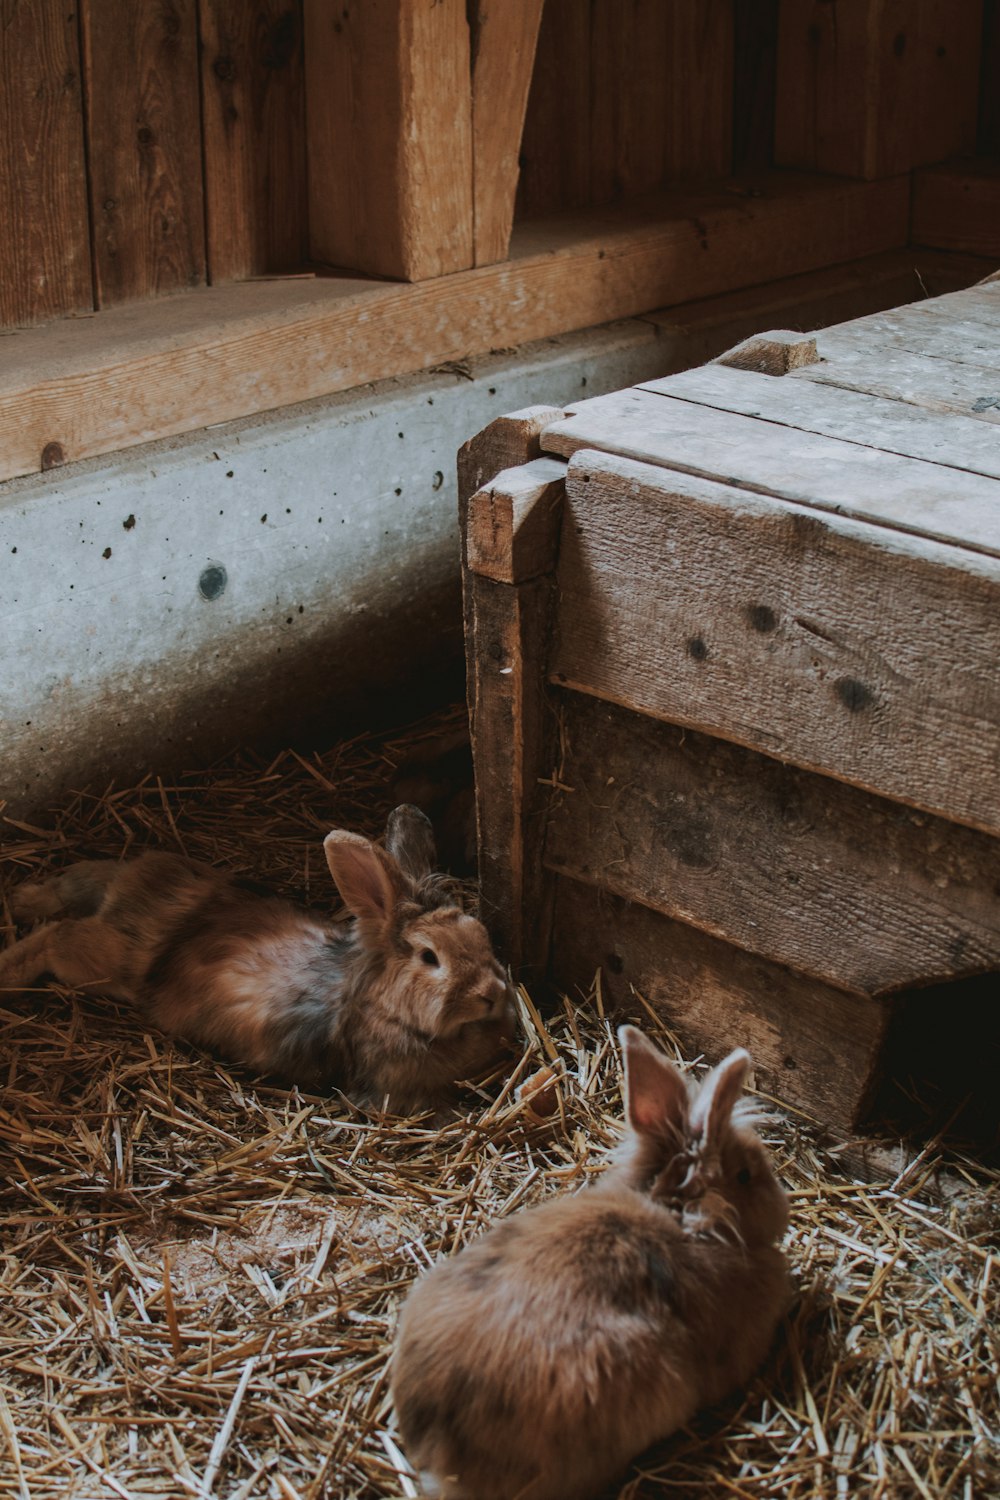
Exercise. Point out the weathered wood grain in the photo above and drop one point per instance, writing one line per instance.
(813, 1045)
(45, 259)
(143, 147)
(840, 647)
(512, 730)
(875, 87)
(389, 126)
(937, 385)
(139, 373)
(661, 78)
(252, 82)
(938, 329)
(774, 353)
(504, 37)
(555, 141)
(513, 522)
(957, 442)
(859, 891)
(825, 473)
(957, 206)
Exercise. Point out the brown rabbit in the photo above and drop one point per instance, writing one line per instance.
(404, 1001)
(543, 1357)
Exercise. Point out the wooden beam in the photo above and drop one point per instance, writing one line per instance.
(753, 619)
(957, 207)
(389, 131)
(45, 256)
(812, 1044)
(870, 88)
(799, 868)
(504, 37)
(144, 148)
(144, 372)
(254, 137)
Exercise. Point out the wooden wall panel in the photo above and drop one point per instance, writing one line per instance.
(144, 147)
(555, 142)
(755, 62)
(252, 79)
(988, 141)
(389, 121)
(870, 88)
(45, 250)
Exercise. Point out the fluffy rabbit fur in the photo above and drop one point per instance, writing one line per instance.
(404, 1001)
(543, 1357)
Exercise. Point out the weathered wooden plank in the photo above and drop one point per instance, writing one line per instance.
(937, 385)
(506, 646)
(555, 141)
(954, 441)
(815, 1046)
(45, 259)
(957, 207)
(138, 373)
(862, 892)
(254, 137)
(661, 77)
(840, 647)
(503, 54)
(875, 87)
(143, 147)
(513, 522)
(389, 127)
(934, 329)
(825, 473)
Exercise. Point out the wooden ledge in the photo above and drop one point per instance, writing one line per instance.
(92, 385)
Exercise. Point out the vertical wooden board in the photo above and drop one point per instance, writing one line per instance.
(45, 253)
(389, 136)
(755, 61)
(988, 131)
(870, 88)
(254, 136)
(555, 141)
(661, 93)
(144, 147)
(503, 53)
(816, 1046)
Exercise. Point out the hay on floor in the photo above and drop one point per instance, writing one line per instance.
(200, 1272)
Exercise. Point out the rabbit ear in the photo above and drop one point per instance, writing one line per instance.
(409, 838)
(718, 1094)
(656, 1094)
(368, 879)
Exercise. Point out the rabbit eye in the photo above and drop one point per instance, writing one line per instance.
(743, 1176)
(428, 956)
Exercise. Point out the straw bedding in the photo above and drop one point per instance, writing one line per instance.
(200, 1272)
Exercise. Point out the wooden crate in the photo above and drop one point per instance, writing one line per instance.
(732, 642)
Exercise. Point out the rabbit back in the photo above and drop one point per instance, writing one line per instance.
(568, 1339)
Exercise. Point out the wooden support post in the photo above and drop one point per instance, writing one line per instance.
(389, 129)
(45, 259)
(254, 137)
(504, 38)
(144, 148)
(871, 88)
(511, 542)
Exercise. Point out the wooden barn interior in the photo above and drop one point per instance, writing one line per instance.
(307, 314)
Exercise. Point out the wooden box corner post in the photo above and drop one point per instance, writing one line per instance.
(510, 534)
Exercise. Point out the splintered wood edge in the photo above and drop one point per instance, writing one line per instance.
(513, 523)
(772, 353)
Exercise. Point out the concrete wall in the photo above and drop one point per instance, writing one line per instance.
(281, 580)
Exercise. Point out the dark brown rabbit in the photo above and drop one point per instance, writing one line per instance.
(543, 1357)
(405, 1000)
